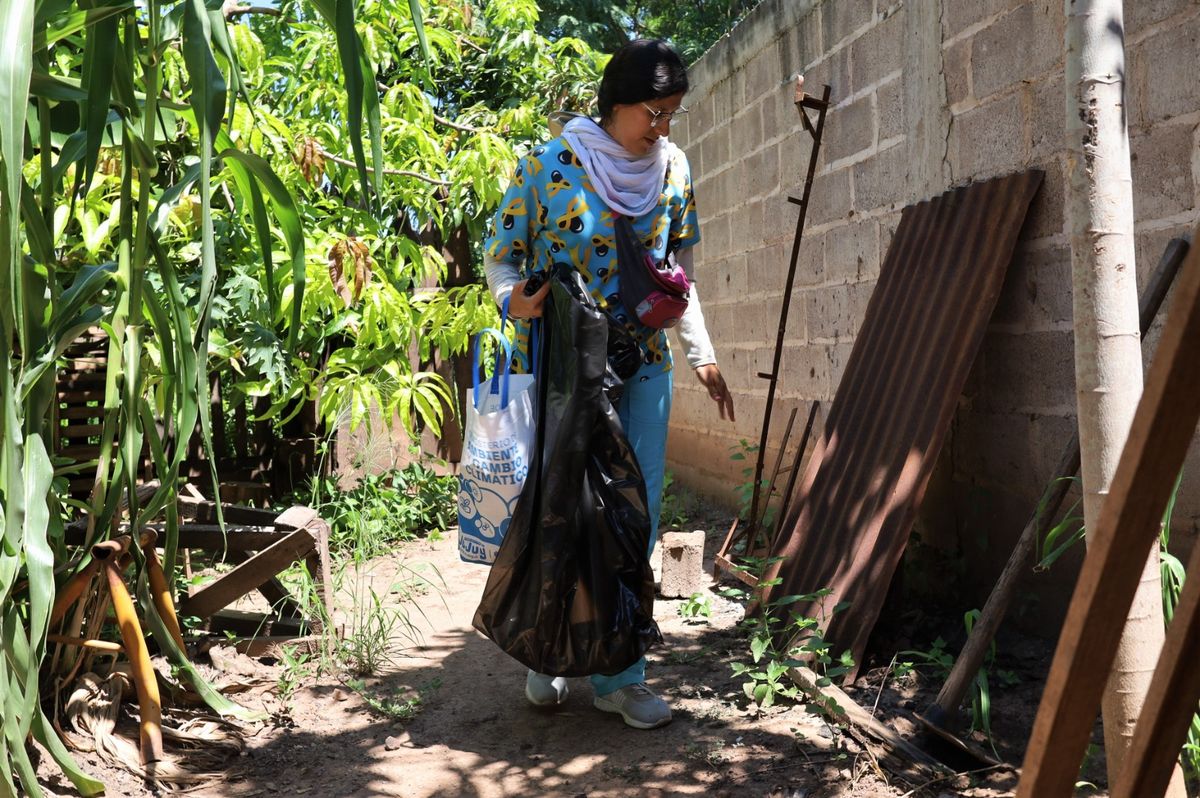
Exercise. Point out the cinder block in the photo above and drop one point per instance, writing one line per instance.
(683, 564)
(1162, 171)
(849, 129)
(878, 52)
(830, 199)
(1045, 118)
(1159, 90)
(882, 180)
(956, 65)
(839, 20)
(959, 14)
(848, 250)
(889, 101)
(987, 139)
(1021, 45)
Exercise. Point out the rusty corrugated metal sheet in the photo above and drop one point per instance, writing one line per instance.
(852, 512)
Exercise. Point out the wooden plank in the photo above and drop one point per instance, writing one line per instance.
(272, 646)
(1128, 526)
(74, 431)
(320, 566)
(255, 624)
(723, 563)
(249, 575)
(1171, 701)
(902, 754)
(281, 601)
(81, 411)
(203, 536)
(1163, 724)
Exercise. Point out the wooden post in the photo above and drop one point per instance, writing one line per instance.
(1162, 430)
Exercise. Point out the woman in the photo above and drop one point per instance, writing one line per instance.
(559, 208)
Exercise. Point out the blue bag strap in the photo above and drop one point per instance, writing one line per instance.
(534, 326)
(500, 376)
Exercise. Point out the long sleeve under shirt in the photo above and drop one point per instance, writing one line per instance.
(698, 350)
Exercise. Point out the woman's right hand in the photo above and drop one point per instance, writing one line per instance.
(527, 307)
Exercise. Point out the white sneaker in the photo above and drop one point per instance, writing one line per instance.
(545, 691)
(640, 707)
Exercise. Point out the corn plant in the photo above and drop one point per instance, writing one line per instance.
(216, 192)
(124, 86)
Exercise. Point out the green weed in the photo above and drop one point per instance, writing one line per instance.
(698, 607)
(766, 674)
(398, 705)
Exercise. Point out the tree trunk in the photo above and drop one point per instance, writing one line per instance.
(1108, 355)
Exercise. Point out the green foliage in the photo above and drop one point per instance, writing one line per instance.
(781, 639)
(607, 24)
(745, 452)
(1172, 575)
(296, 667)
(696, 607)
(397, 705)
(382, 509)
(940, 661)
(673, 513)
(292, 203)
(1062, 536)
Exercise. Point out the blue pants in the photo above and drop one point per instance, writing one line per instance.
(644, 410)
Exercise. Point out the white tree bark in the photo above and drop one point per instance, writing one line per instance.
(1108, 355)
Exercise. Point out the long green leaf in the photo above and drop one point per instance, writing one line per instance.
(224, 45)
(418, 16)
(44, 733)
(288, 215)
(166, 641)
(348, 51)
(73, 22)
(16, 67)
(374, 126)
(99, 66)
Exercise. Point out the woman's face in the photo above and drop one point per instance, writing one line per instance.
(634, 126)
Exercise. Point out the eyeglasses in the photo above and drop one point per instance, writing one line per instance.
(663, 116)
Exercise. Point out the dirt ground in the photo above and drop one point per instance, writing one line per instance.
(473, 734)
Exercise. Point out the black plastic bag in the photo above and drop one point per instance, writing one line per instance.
(571, 592)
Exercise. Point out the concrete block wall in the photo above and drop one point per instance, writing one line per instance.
(926, 94)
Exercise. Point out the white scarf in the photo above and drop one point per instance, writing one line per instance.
(630, 184)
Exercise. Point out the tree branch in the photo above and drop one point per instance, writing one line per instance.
(231, 9)
(400, 172)
(456, 125)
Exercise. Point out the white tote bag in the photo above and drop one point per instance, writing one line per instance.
(497, 443)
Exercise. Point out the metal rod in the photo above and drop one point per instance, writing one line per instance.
(791, 486)
(787, 294)
(756, 522)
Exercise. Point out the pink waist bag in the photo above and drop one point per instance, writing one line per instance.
(656, 293)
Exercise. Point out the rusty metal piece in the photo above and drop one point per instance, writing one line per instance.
(923, 326)
(750, 533)
(822, 107)
(793, 472)
(787, 434)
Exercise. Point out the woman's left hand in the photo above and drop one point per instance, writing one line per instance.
(718, 391)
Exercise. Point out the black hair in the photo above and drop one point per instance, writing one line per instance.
(644, 69)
